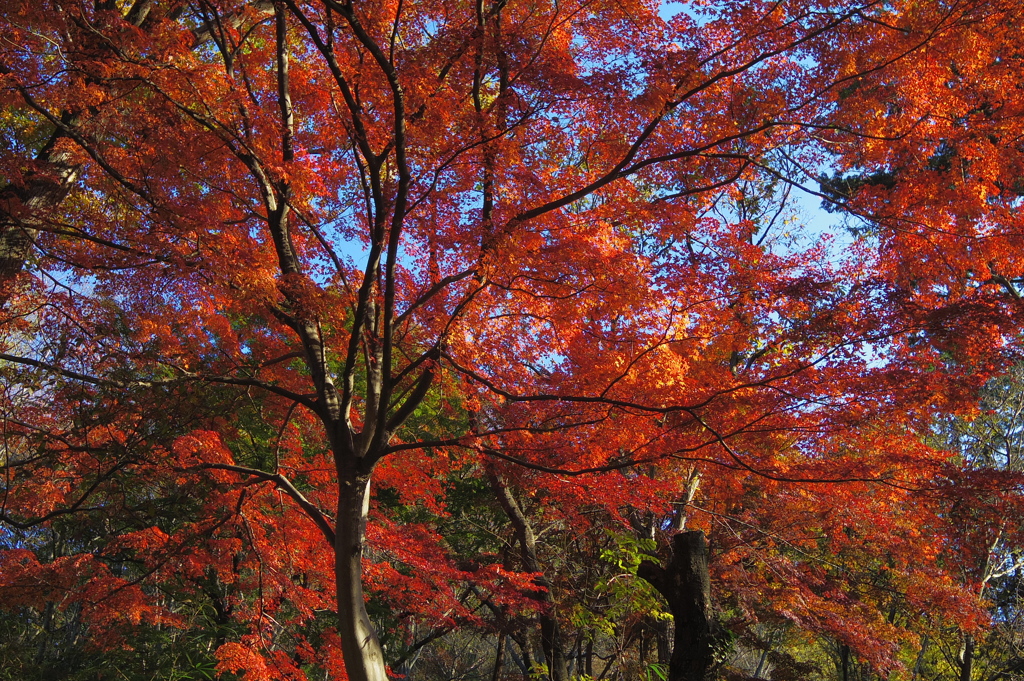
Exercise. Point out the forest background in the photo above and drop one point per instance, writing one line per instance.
(486, 340)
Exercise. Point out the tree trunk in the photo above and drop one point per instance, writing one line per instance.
(499, 657)
(364, 657)
(663, 631)
(686, 586)
(920, 659)
(524, 661)
(551, 638)
(967, 658)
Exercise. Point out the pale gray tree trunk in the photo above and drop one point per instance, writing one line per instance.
(364, 657)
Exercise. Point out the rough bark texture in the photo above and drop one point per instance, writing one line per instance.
(686, 586)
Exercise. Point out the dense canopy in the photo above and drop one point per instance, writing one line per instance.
(461, 340)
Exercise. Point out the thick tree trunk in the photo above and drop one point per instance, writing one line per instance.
(686, 586)
(364, 658)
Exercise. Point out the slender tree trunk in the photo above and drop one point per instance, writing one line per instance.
(967, 658)
(364, 658)
(763, 660)
(525, 661)
(692, 485)
(551, 642)
(686, 586)
(499, 657)
(551, 638)
(919, 665)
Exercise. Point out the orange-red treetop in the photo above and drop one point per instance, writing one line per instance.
(448, 235)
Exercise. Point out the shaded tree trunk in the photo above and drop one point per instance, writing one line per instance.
(524, 661)
(663, 631)
(551, 638)
(686, 586)
(499, 657)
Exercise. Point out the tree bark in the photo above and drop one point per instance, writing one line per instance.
(364, 657)
(663, 631)
(686, 586)
(499, 657)
(967, 658)
(551, 638)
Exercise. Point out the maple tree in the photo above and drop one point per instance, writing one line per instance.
(285, 268)
(985, 547)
